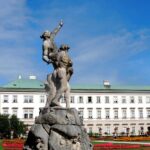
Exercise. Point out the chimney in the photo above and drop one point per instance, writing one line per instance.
(106, 84)
(31, 77)
(19, 77)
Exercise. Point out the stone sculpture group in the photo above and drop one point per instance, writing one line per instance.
(57, 128)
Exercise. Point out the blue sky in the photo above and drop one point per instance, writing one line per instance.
(109, 39)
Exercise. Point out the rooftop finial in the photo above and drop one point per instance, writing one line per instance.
(19, 77)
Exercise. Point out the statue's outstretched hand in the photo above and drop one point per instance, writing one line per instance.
(61, 23)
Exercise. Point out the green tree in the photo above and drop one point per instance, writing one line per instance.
(4, 125)
(11, 124)
(17, 126)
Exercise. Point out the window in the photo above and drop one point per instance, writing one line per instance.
(147, 99)
(89, 99)
(15, 111)
(115, 99)
(107, 113)
(100, 130)
(5, 98)
(5, 111)
(123, 99)
(106, 99)
(133, 130)
(62, 99)
(140, 113)
(98, 113)
(28, 99)
(115, 113)
(90, 130)
(81, 99)
(107, 130)
(28, 113)
(81, 112)
(14, 99)
(25, 99)
(127, 131)
(141, 131)
(132, 113)
(140, 99)
(98, 99)
(124, 113)
(148, 113)
(131, 99)
(90, 113)
(42, 99)
(72, 99)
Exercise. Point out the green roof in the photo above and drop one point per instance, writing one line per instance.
(37, 84)
(112, 87)
(25, 84)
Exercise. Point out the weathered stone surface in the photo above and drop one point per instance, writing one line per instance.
(50, 118)
(58, 129)
(58, 142)
(38, 137)
(61, 116)
(68, 130)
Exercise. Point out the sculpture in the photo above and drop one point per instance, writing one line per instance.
(57, 82)
(49, 47)
(57, 128)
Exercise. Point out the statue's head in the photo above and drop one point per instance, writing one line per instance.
(64, 47)
(45, 34)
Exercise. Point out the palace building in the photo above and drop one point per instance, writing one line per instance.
(104, 108)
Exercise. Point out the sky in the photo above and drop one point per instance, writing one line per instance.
(109, 39)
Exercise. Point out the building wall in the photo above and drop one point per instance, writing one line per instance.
(88, 104)
(135, 102)
(21, 105)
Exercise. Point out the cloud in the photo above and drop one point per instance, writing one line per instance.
(96, 56)
(20, 45)
(108, 47)
(101, 57)
(14, 50)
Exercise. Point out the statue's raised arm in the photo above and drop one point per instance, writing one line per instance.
(49, 47)
(57, 29)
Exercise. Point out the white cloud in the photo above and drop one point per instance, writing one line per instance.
(98, 55)
(107, 47)
(93, 56)
(14, 50)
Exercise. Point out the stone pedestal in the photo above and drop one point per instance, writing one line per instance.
(58, 129)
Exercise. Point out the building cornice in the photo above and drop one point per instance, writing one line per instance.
(75, 90)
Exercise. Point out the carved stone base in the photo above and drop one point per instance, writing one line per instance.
(58, 128)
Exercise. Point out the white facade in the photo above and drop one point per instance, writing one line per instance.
(103, 109)
(25, 105)
(107, 111)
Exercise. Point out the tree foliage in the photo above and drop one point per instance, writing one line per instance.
(17, 126)
(8, 124)
(4, 125)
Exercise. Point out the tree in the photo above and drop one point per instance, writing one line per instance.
(17, 126)
(11, 124)
(4, 125)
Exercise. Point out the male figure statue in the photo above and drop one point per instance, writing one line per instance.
(65, 61)
(49, 47)
(62, 75)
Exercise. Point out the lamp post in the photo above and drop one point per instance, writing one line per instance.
(11, 134)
